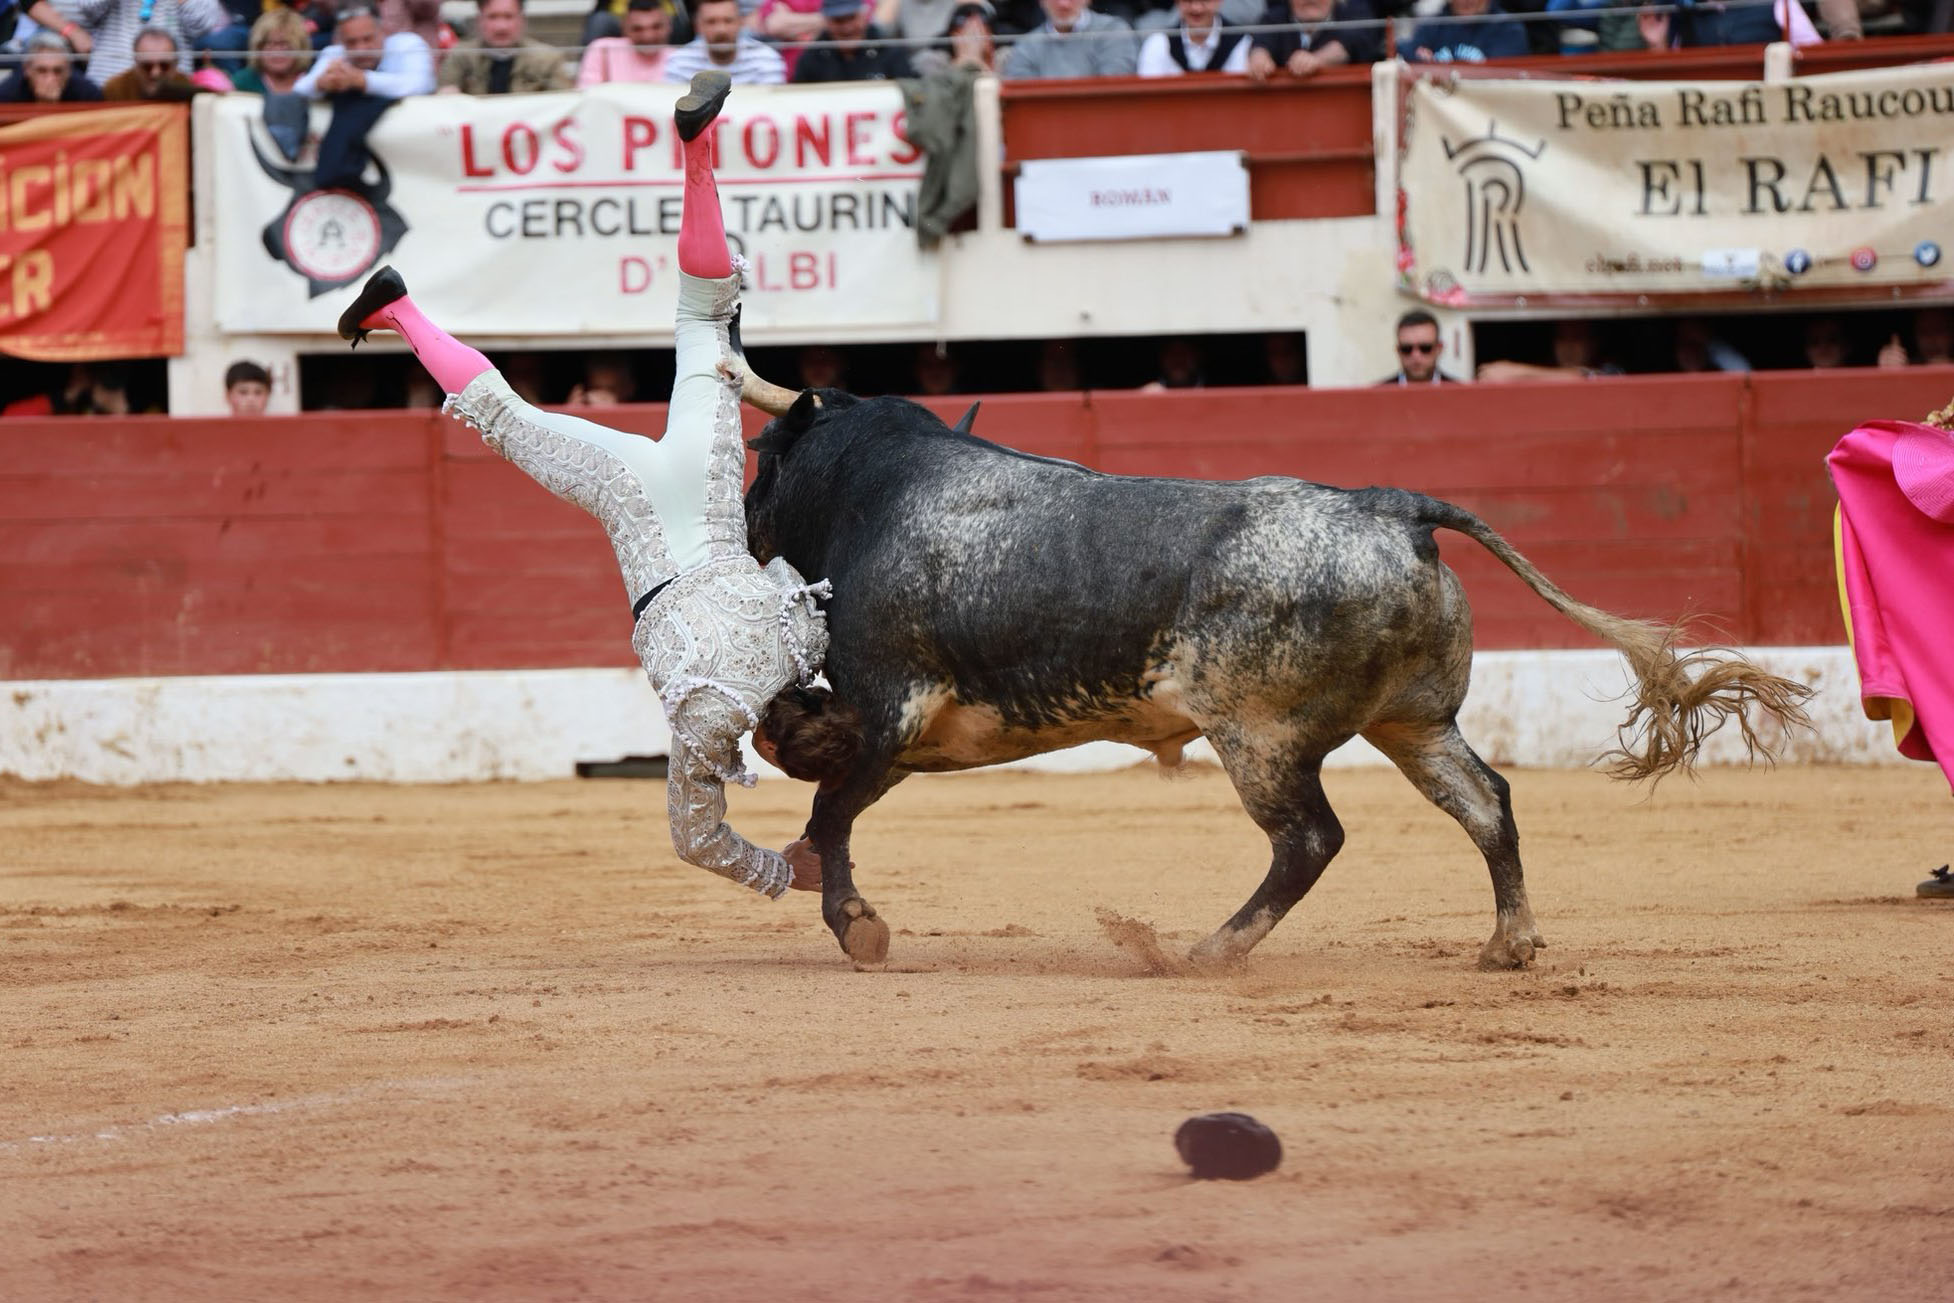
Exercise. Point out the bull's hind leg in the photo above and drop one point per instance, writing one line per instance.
(1282, 790)
(1439, 763)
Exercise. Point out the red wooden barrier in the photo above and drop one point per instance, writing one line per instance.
(396, 541)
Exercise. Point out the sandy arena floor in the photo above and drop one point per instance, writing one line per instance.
(495, 1042)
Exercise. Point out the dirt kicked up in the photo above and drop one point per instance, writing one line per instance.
(494, 1042)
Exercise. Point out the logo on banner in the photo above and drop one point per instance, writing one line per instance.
(1494, 171)
(331, 237)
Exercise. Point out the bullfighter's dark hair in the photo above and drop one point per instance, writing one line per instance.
(1417, 317)
(816, 735)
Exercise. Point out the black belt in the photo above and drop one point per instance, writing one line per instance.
(638, 607)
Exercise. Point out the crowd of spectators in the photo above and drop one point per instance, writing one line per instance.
(273, 48)
(363, 57)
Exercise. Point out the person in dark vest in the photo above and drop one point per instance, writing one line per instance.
(1308, 47)
(1202, 43)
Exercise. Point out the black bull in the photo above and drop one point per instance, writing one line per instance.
(990, 605)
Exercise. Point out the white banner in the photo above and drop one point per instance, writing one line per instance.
(1133, 197)
(559, 214)
(1518, 191)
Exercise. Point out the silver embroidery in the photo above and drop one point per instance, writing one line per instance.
(718, 644)
(578, 473)
(720, 640)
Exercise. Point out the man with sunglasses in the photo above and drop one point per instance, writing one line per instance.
(1418, 351)
(155, 75)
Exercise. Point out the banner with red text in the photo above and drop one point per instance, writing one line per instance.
(91, 233)
(1514, 193)
(558, 215)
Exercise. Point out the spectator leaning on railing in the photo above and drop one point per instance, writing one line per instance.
(501, 59)
(275, 56)
(722, 43)
(637, 56)
(363, 75)
(1307, 47)
(47, 75)
(1470, 31)
(844, 57)
(111, 26)
(1202, 43)
(1074, 41)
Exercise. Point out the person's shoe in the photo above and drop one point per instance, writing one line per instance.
(697, 108)
(1938, 887)
(382, 287)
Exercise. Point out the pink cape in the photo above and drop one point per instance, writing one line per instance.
(1895, 544)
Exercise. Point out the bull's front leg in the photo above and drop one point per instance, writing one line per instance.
(864, 937)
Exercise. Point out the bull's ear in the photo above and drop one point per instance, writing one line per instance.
(967, 420)
(800, 417)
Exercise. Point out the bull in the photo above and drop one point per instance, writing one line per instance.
(990, 605)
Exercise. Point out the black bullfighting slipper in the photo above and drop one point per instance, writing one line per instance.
(1938, 887)
(382, 287)
(697, 108)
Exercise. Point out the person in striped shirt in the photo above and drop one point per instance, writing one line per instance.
(111, 27)
(722, 44)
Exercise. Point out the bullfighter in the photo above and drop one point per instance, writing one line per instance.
(728, 646)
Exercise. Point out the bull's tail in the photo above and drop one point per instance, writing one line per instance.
(1681, 698)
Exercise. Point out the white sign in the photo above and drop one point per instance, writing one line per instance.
(1526, 191)
(558, 215)
(1134, 197)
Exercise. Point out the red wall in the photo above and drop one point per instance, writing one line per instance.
(396, 541)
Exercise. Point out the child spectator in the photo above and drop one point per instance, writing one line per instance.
(247, 388)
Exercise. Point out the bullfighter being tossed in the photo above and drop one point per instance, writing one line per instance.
(728, 646)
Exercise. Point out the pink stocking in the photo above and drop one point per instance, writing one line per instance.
(701, 229)
(452, 363)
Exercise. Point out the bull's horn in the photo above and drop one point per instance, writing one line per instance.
(769, 398)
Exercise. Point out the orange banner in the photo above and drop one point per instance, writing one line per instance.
(92, 226)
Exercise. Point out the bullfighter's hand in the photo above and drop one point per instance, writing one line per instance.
(805, 861)
(806, 864)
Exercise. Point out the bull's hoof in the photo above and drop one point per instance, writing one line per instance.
(864, 937)
(1503, 953)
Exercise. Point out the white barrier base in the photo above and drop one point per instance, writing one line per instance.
(1551, 708)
